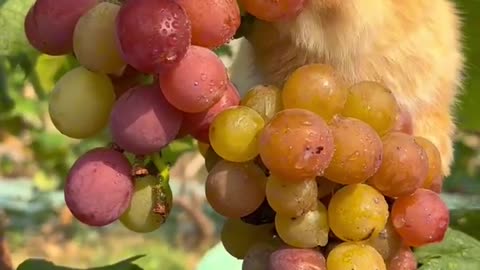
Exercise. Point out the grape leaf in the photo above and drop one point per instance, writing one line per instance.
(39, 264)
(12, 15)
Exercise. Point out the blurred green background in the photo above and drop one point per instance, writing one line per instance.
(34, 159)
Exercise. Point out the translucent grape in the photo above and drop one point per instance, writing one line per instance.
(296, 144)
(325, 187)
(388, 242)
(99, 187)
(197, 82)
(358, 256)
(214, 22)
(306, 231)
(143, 122)
(49, 24)
(234, 133)
(81, 103)
(358, 151)
(404, 259)
(357, 212)
(153, 35)
(265, 99)
(420, 218)
(142, 216)
(317, 88)
(295, 258)
(404, 166)
(272, 11)
(434, 162)
(291, 198)
(235, 190)
(374, 104)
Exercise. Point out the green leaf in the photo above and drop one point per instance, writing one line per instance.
(464, 212)
(457, 251)
(39, 264)
(12, 16)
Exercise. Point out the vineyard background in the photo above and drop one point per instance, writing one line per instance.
(34, 159)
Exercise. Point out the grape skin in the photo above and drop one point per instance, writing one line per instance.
(294, 258)
(404, 259)
(197, 82)
(235, 190)
(358, 151)
(143, 122)
(388, 242)
(98, 25)
(49, 24)
(81, 103)
(99, 187)
(265, 99)
(273, 11)
(357, 212)
(434, 162)
(157, 43)
(420, 218)
(258, 256)
(352, 255)
(211, 159)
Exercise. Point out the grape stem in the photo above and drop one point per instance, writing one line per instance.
(162, 191)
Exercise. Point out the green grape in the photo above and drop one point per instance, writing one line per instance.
(265, 99)
(388, 242)
(151, 203)
(374, 104)
(358, 256)
(238, 237)
(234, 133)
(326, 187)
(357, 212)
(94, 40)
(358, 151)
(291, 198)
(317, 88)
(306, 231)
(81, 102)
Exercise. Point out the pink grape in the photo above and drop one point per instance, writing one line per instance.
(143, 122)
(153, 35)
(99, 187)
(296, 258)
(49, 24)
(197, 82)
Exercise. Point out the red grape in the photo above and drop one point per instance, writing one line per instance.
(420, 218)
(197, 82)
(142, 121)
(214, 22)
(296, 258)
(49, 24)
(403, 259)
(153, 34)
(198, 124)
(271, 11)
(99, 187)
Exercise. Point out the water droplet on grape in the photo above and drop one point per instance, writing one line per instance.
(195, 83)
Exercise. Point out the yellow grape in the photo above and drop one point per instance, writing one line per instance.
(374, 104)
(357, 212)
(81, 103)
(358, 256)
(306, 231)
(317, 88)
(434, 162)
(291, 198)
(94, 40)
(234, 133)
(265, 99)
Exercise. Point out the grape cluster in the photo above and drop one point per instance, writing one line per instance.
(321, 174)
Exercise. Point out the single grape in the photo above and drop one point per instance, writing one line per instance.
(437, 185)
(296, 144)
(235, 190)
(264, 214)
(296, 259)
(291, 198)
(197, 82)
(128, 79)
(258, 256)
(358, 151)
(81, 103)
(404, 122)
(211, 159)
(198, 124)
(142, 215)
(153, 35)
(265, 99)
(49, 24)
(234, 133)
(404, 166)
(388, 242)
(374, 104)
(143, 122)
(420, 218)
(357, 212)
(203, 148)
(434, 162)
(306, 231)
(404, 259)
(214, 22)
(99, 187)
(317, 88)
(238, 237)
(273, 11)
(326, 187)
(352, 255)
